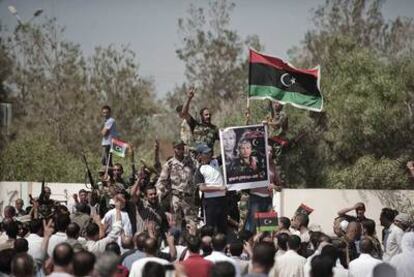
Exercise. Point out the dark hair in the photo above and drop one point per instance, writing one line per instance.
(264, 255)
(245, 235)
(92, 229)
(202, 111)
(21, 245)
(236, 248)
(207, 230)
(315, 238)
(82, 191)
(6, 257)
(321, 266)
(369, 226)
(106, 107)
(153, 269)
(179, 108)
(366, 246)
(294, 242)
(149, 187)
(282, 240)
(35, 225)
(62, 254)
(331, 252)
(285, 221)
(223, 269)
(83, 208)
(151, 246)
(61, 222)
(388, 214)
(140, 241)
(73, 230)
(206, 245)
(219, 242)
(193, 243)
(303, 219)
(83, 263)
(113, 247)
(12, 229)
(23, 265)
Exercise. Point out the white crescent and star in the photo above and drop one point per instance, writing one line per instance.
(287, 80)
(267, 221)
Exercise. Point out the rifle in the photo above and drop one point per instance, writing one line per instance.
(91, 181)
(133, 177)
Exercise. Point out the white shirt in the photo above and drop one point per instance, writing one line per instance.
(111, 126)
(54, 240)
(138, 266)
(109, 219)
(98, 247)
(212, 178)
(35, 246)
(363, 266)
(392, 245)
(290, 264)
(404, 262)
(217, 256)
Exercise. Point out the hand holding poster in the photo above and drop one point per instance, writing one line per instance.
(245, 159)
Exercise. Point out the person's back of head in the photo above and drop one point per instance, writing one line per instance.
(245, 235)
(6, 257)
(366, 246)
(83, 208)
(384, 270)
(83, 263)
(303, 220)
(62, 255)
(331, 252)
(282, 240)
(61, 222)
(368, 226)
(321, 266)
(284, 222)
(140, 241)
(73, 230)
(9, 212)
(353, 231)
(12, 229)
(315, 239)
(92, 230)
(113, 247)
(206, 245)
(36, 226)
(294, 242)
(207, 230)
(236, 248)
(23, 265)
(153, 269)
(263, 256)
(127, 242)
(223, 269)
(151, 246)
(193, 243)
(219, 242)
(387, 216)
(21, 245)
(106, 265)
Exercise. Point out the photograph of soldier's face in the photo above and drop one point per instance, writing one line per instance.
(244, 156)
(229, 140)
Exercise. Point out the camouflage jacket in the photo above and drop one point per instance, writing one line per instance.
(203, 133)
(177, 176)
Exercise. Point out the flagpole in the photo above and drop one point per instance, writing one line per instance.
(108, 158)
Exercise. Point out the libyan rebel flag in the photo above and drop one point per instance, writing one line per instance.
(119, 147)
(272, 78)
(266, 221)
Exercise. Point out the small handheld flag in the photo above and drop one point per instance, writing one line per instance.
(266, 221)
(304, 209)
(274, 79)
(119, 147)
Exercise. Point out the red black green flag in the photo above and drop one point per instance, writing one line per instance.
(266, 221)
(272, 78)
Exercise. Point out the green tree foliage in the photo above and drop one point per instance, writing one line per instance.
(364, 136)
(59, 93)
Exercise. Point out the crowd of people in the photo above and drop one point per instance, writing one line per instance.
(178, 219)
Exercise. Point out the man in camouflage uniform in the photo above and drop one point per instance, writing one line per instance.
(203, 132)
(176, 178)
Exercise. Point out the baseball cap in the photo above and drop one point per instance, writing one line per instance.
(203, 149)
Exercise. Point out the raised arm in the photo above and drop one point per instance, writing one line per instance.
(186, 108)
(344, 211)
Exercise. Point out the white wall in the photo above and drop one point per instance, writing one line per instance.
(325, 202)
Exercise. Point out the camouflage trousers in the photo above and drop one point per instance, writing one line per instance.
(183, 208)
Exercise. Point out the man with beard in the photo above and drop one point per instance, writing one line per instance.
(177, 177)
(203, 132)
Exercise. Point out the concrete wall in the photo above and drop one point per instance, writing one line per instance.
(325, 202)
